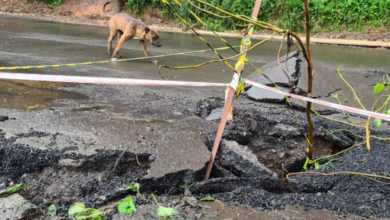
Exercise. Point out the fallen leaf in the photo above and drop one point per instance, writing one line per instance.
(13, 189)
(127, 206)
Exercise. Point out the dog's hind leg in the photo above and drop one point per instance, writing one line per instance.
(143, 45)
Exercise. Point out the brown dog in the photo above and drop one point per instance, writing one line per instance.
(127, 27)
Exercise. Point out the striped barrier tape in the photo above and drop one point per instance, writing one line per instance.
(145, 82)
(103, 80)
(319, 102)
(108, 61)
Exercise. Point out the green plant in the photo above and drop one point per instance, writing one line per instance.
(384, 109)
(76, 208)
(13, 189)
(136, 6)
(164, 212)
(379, 87)
(80, 212)
(134, 186)
(51, 210)
(326, 15)
(208, 198)
(53, 3)
(127, 206)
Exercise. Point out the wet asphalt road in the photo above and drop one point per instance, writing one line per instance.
(32, 42)
(36, 42)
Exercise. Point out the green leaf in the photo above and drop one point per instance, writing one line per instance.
(305, 165)
(165, 212)
(51, 210)
(208, 198)
(89, 214)
(378, 122)
(134, 186)
(388, 111)
(330, 162)
(127, 206)
(76, 208)
(317, 165)
(335, 96)
(378, 88)
(13, 189)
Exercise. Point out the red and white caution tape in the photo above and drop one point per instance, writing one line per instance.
(233, 85)
(145, 82)
(319, 102)
(103, 80)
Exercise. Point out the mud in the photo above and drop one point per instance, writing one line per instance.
(342, 193)
(271, 136)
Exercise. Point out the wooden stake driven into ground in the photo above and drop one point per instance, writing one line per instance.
(245, 44)
(310, 71)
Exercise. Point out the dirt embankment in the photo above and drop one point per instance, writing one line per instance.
(89, 12)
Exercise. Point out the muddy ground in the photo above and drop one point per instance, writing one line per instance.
(247, 176)
(87, 143)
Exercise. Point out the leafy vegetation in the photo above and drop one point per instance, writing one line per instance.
(13, 189)
(80, 212)
(208, 198)
(76, 208)
(127, 206)
(164, 212)
(134, 186)
(137, 6)
(379, 87)
(51, 210)
(326, 15)
(53, 3)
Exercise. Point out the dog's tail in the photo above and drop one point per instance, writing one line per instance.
(104, 9)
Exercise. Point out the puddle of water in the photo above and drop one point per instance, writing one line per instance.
(31, 95)
(88, 108)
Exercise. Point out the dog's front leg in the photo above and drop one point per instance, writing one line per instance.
(143, 45)
(118, 47)
(109, 41)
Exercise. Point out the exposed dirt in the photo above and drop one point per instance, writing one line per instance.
(89, 12)
(55, 176)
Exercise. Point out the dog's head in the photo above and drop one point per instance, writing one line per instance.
(152, 37)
